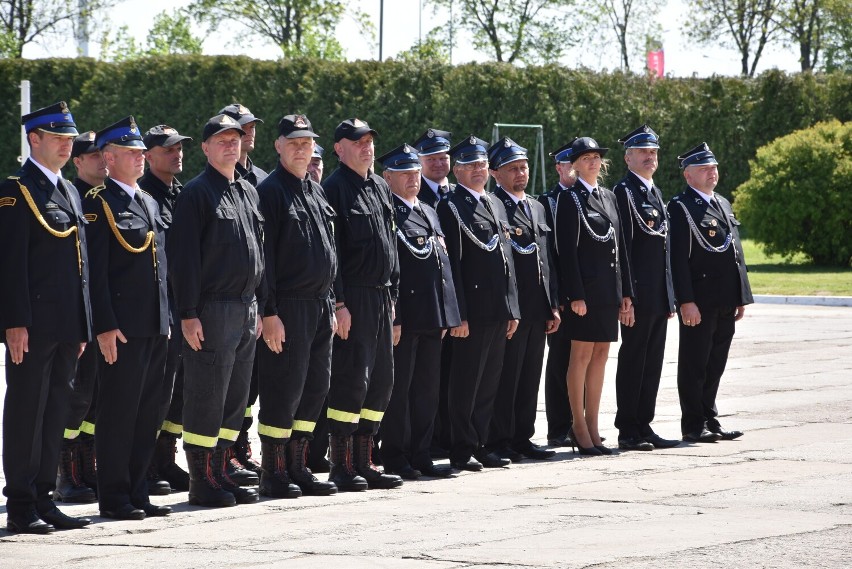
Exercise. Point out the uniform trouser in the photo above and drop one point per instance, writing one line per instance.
(293, 384)
(129, 393)
(513, 423)
(474, 379)
(172, 397)
(82, 404)
(441, 437)
(319, 443)
(410, 417)
(556, 405)
(216, 378)
(34, 414)
(362, 365)
(702, 356)
(254, 387)
(640, 364)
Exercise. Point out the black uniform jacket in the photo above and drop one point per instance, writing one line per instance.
(365, 231)
(427, 296)
(485, 281)
(165, 196)
(44, 285)
(642, 213)
(251, 173)
(708, 278)
(82, 188)
(426, 195)
(591, 270)
(549, 200)
(128, 288)
(216, 243)
(298, 229)
(535, 272)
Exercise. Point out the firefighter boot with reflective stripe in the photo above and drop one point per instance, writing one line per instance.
(204, 490)
(88, 463)
(342, 472)
(219, 462)
(274, 481)
(365, 467)
(69, 480)
(297, 458)
(164, 458)
(239, 475)
(243, 454)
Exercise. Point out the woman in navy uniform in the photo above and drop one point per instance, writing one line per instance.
(597, 286)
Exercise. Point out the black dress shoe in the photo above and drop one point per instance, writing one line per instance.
(535, 452)
(508, 453)
(27, 522)
(61, 521)
(726, 435)
(471, 464)
(660, 442)
(702, 436)
(125, 512)
(432, 471)
(154, 511)
(634, 444)
(604, 450)
(406, 473)
(560, 441)
(491, 460)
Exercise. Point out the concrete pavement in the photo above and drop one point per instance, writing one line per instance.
(781, 496)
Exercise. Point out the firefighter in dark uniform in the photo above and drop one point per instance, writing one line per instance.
(477, 236)
(242, 467)
(44, 315)
(294, 360)
(426, 308)
(711, 287)
(365, 291)
(315, 168)
(216, 246)
(131, 320)
(513, 424)
(646, 239)
(433, 147)
(77, 479)
(164, 155)
(556, 405)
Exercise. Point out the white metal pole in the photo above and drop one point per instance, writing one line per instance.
(25, 110)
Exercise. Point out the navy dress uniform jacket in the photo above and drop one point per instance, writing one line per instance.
(426, 195)
(427, 296)
(128, 289)
(710, 279)
(44, 285)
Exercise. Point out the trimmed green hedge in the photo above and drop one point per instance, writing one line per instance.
(400, 99)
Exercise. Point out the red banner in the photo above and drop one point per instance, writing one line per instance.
(656, 63)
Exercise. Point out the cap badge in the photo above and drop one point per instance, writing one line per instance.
(472, 140)
(407, 149)
(430, 133)
(227, 121)
(132, 125)
(358, 123)
(507, 143)
(592, 144)
(711, 233)
(300, 122)
(421, 240)
(91, 136)
(242, 110)
(63, 107)
(169, 131)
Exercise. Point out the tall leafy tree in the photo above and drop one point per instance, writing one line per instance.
(632, 22)
(817, 28)
(27, 21)
(172, 33)
(298, 27)
(747, 25)
(530, 31)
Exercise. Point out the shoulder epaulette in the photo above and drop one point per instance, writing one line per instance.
(144, 192)
(93, 193)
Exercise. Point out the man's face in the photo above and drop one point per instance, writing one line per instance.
(49, 149)
(357, 154)
(473, 175)
(166, 159)
(91, 167)
(513, 177)
(248, 137)
(404, 183)
(435, 166)
(223, 150)
(125, 163)
(315, 169)
(566, 173)
(295, 153)
(642, 161)
(702, 177)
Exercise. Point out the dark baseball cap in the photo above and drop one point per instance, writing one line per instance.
(162, 135)
(352, 129)
(296, 126)
(220, 123)
(240, 113)
(84, 144)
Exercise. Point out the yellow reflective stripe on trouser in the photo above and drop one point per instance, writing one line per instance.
(342, 416)
(370, 415)
(228, 434)
(304, 426)
(172, 428)
(70, 434)
(248, 412)
(274, 432)
(199, 440)
(87, 427)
